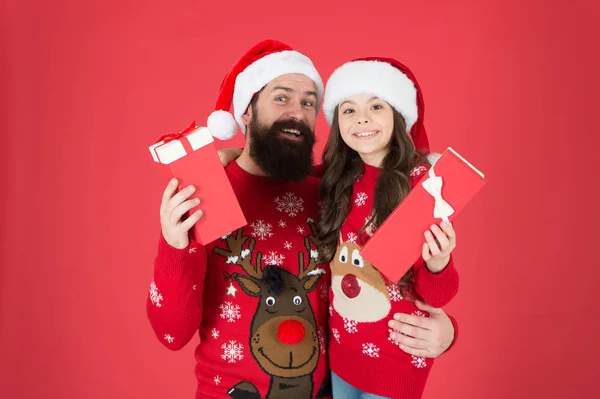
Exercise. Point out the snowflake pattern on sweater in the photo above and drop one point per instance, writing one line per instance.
(364, 300)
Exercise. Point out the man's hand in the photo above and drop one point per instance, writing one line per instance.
(227, 155)
(423, 336)
(172, 208)
(438, 246)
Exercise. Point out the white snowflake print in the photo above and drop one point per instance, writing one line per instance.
(419, 362)
(394, 291)
(215, 333)
(300, 229)
(352, 238)
(262, 230)
(418, 170)
(287, 245)
(290, 204)
(418, 313)
(230, 312)
(194, 287)
(350, 326)
(330, 311)
(155, 296)
(273, 259)
(370, 350)
(361, 199)
(232, 351)
(336, 334)
(169, 338)
(322, 339)
(192, 250)
(282, 224)
(217, 380)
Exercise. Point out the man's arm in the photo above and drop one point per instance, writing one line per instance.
(174, 304)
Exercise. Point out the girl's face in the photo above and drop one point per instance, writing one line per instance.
(366, 125)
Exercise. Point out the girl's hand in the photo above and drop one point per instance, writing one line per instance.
(440, 242)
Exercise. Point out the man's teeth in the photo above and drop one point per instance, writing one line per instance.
(366, 134)
(292, 131)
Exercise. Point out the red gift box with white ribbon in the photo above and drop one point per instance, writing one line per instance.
(193, 159)
(441, 194)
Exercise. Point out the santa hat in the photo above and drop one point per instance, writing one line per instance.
(264, 62)
(387, 79)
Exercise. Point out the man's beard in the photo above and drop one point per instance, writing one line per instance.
(280, 158)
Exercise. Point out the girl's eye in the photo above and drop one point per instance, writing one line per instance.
(377, 106)
(348, 111)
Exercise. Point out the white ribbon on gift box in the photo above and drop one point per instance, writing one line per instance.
(173, 150)
(433, 185)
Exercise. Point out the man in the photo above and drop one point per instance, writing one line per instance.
(257, 297)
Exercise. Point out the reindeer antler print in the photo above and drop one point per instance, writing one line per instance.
(311, 268)
(239, 256)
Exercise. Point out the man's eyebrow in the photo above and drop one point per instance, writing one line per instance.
(290, 90)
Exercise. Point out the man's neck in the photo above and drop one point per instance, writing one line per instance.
(247, 163)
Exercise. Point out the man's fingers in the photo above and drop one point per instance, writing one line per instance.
(428, 308)
(417, 321)
(414, 352)
(178, 198)
(167, 194)
(409, 341)
(191, 221)
(180, 210)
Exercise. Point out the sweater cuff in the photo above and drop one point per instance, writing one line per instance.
(436, 289)
(455, 325)
(174, 261)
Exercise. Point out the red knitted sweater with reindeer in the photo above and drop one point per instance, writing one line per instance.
(363, 301)
(256, 298)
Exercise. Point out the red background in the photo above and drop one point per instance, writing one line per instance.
(88, 85)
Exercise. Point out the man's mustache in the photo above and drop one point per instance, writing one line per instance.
(292, 124)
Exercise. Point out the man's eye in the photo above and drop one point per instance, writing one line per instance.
(308, 103)
(280, 98)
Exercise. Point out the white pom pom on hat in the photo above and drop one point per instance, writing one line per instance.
(264, 62)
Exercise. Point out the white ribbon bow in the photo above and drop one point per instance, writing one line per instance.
(433, 185)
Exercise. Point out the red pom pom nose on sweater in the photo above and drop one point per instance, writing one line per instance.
(290, 332)
(350, 286)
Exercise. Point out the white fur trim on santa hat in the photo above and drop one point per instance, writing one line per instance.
(265, 69)
(372, 77)
(222, 125)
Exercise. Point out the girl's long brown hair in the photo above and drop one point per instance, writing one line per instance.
(343, 167)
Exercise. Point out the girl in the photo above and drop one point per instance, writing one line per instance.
(376, 152)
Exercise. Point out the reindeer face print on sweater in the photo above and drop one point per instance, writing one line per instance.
(359, 291)
(283, 337)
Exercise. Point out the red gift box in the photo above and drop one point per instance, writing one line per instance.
(193, 159)
(440, 195)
